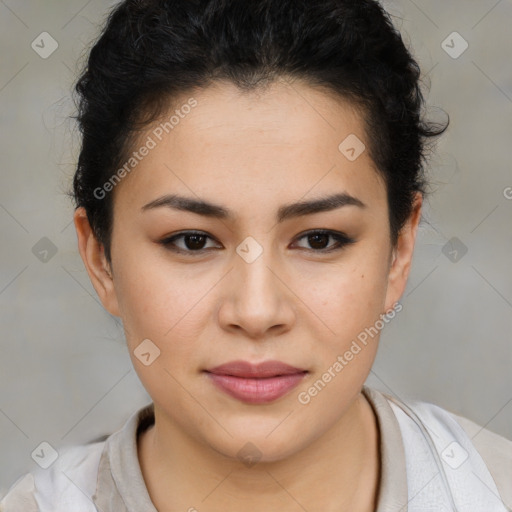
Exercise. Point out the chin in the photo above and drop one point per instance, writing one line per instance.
(255, 446)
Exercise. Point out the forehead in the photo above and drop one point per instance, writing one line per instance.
(286, 139)
(283, 114)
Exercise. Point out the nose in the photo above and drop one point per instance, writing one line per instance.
(258, 299)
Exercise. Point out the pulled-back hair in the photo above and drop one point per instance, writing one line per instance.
(151, 51)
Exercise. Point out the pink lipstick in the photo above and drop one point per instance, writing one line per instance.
(256, 383)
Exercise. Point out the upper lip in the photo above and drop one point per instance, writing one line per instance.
(260, 370)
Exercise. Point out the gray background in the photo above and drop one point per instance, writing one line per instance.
(65, 375)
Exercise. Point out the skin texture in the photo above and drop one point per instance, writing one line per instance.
(252, 153)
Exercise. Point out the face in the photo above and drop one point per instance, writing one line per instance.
(257, 279)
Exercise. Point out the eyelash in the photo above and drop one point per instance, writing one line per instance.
(341, 241)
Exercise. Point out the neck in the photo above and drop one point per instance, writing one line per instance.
(338, 471)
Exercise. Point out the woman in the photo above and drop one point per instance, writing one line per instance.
(248, 194)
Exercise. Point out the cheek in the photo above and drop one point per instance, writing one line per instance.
(168, 304)
(350, 301)
(164, 307)
(351, 294)
(157, 300)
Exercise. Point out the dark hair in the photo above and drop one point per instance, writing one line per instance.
(150, 51)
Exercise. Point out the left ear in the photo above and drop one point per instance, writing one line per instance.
(401, 260)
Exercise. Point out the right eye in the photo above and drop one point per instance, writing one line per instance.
(192, 242)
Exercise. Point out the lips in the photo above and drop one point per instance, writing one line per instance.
(255, 371)
(256, 383)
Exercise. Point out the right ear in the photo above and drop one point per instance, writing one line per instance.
(95, 261)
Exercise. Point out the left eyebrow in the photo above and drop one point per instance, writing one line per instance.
(285, 212)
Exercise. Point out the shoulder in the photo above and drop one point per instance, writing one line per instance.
(494, 450)
(68, 484)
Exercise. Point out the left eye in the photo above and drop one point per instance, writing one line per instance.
(194, 242)
(318, 239)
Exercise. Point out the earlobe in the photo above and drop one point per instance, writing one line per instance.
(95, 261)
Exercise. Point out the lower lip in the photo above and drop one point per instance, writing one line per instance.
(256, 391)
